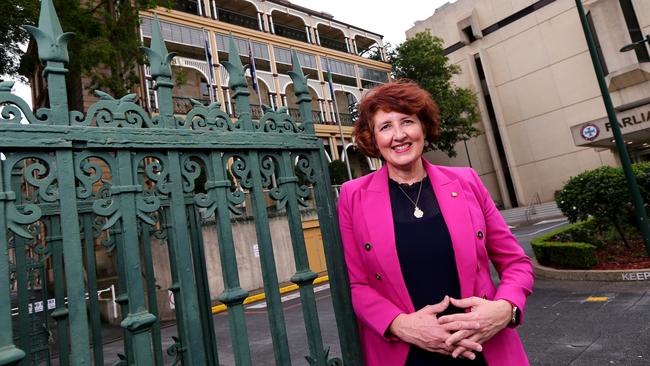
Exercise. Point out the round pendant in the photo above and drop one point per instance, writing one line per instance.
(417, 212)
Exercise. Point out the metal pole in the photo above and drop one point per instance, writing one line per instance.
(345, 151)
(637, 200)
(469, 160)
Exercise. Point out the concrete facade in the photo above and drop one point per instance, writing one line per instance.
(538, 75)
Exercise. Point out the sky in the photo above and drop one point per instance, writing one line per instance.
(388, 18)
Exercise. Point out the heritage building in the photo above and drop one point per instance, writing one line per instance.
(542, 113)
(198, 30)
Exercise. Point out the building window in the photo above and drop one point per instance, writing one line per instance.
(469, 34)
(599, 49)
(203, 87)
(498, 141)
(469, 28)
(340, 67)
(283, 56)
(373, 75)
(371, 78)
(634, 29)
(260, 50)
(175, 33)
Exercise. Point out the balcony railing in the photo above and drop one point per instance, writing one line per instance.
(333, 44)
(242, 20)
(256, 111)
(182, 105)
(346, 119)
(289, 32)
(295, 113)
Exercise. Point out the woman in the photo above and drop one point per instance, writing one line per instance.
(417, 240)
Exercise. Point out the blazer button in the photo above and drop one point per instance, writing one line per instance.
(378, 276)
(368, 246)
(479, 234)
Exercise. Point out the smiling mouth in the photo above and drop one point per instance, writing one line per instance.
(401, 148)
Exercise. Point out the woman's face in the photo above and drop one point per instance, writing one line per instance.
(399, 138)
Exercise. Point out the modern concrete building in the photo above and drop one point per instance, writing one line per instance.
(542, 113)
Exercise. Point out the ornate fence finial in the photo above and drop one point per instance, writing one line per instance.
(237, 83)
(234, 66)
(161, 71)
(159, 58)
(301, 89)
(53, 52)
(52, 42)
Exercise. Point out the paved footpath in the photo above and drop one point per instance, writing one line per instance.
(588, 323)
(566, 323)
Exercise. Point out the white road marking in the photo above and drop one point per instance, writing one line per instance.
(545, 229)
(550, 221)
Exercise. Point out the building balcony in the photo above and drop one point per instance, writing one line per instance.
(333, 44)
(241, 20)
(289, 32)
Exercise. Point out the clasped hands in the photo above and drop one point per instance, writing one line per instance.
(457, 335)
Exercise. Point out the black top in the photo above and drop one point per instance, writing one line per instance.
(426, 257)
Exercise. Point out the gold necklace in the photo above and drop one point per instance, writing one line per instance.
(416, 210)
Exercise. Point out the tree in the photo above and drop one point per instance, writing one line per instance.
(421, 59)
(17, 13)
(106, 44)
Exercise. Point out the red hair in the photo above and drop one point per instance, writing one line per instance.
(403, 97)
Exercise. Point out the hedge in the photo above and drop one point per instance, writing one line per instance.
(570, 255)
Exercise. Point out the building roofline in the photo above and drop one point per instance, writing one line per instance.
(320, 14)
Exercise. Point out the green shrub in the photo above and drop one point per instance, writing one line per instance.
(581, 232)
(602, 194)
(571, 255)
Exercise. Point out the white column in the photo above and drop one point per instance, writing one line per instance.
(308, 34)
(322, 115)
(260, 24)
(317, 35)
(213, 6)
(347, 44)
(271, 101)
(354, 45)
(271, 23)
(284, 101)
(155, 99)
(146, 90)
(200, 4)
(230, 112)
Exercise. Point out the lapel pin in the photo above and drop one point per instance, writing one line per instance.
(454, 194)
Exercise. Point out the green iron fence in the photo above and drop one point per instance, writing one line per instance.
(75, 188)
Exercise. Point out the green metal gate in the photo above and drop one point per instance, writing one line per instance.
(117, 178)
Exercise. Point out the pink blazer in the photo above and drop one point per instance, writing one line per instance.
(478, 233)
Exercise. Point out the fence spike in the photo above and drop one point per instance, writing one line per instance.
(52, 42)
